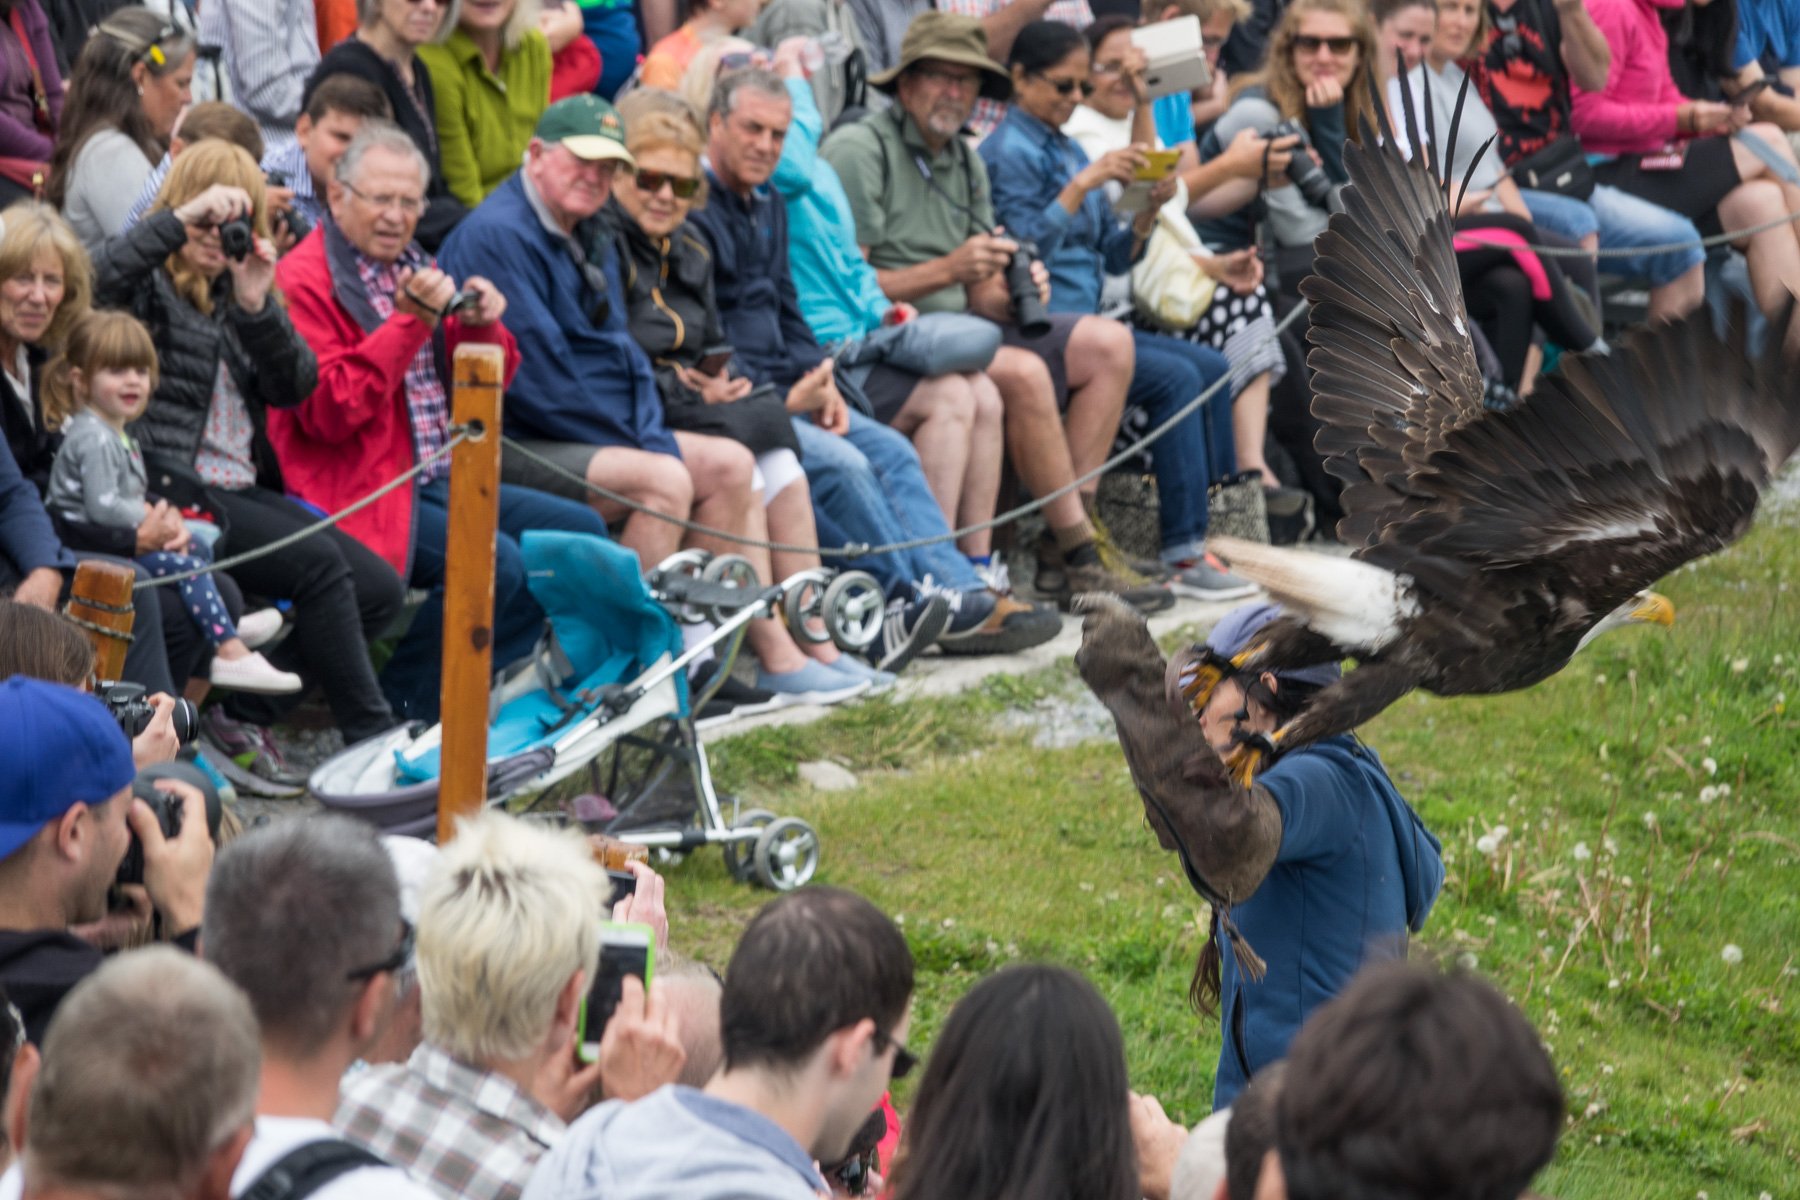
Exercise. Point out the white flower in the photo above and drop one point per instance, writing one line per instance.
(949, 922)
(1500, 832)
(1488, 844)
(1581, 852)
(1732, 955)
(1649, 820)
(1710, 765)
(1599, 680)
(1467, 961)
(1707, 740)
(1708, 794)
(1593, 1110)
(1612, 985)
(1739, 665)
(1609, 845)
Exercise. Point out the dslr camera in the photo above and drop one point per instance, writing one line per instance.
(168, 811)
(1028, 305)
(1302, 171)
(235, 239)
(297, 224)
(132, 709)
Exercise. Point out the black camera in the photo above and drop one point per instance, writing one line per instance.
(132, 709)
(296, 221)
(466, 303)
(235, 239)
(1306, 174)
(1028, 304)
(168, 811)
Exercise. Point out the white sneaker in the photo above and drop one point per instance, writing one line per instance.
(252, 673)
(260, 627)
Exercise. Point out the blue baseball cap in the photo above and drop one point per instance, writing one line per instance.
(61, 748)
(1239, 627)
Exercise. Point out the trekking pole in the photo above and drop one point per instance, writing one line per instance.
(477, 372)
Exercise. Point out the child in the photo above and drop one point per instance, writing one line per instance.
(101, 381)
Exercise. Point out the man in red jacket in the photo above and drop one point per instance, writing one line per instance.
(376, 311)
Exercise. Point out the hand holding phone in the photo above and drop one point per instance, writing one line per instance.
(626, 949)
(716, 359)
(1158, 165)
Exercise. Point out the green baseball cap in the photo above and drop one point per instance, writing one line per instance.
(590, 128)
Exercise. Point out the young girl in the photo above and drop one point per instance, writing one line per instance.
(101, 381)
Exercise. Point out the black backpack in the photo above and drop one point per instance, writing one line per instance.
(304, 1170)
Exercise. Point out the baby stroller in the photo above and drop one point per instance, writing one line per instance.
(611, 675)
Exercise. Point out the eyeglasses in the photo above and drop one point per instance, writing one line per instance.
(399, 958)
(412, 206)
(1512, 42)
(739, 60)
(960, 80)
(904, 1060)
(1066, 86)
(1340, 46)
(1111, 68)
(682, 187)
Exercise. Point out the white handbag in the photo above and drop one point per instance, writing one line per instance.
(1167, 285)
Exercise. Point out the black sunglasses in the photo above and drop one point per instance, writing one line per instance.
(1340, 46)
(904, 1060)
(399, 958)
(1065, 86)
(682, 186)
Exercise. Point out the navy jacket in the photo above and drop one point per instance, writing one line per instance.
(753, 286)
(27, 539)
(580, 380)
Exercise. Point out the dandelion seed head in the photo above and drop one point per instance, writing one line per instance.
(1488, 844)
(1710, 765)
(1732, 954)
(1581, 852)
(1739, 665)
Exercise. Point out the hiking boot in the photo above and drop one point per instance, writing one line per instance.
(1007, 626)
(1290, 513)
(910, 627)
(1118, 562)
(248, 756)
(1206, 578)
(1060, 581)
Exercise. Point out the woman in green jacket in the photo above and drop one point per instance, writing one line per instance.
(491, 78)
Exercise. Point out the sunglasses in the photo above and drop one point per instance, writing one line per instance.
(1065, 87)
(1512, 42)
(399, 958)
(904, 1061)
(682, 187)
(738, 60)
(1340, 46)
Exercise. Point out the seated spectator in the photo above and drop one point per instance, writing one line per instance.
(613, 27)
(210, 119)
(840, 81)
(1416, 1086)
(31, 94)
(334, 114)
(585, 397)
(692, 991)
(930, 236)
(229, 354)
(1181, 117)
(1002, 21)
(1768, 35)
(413, 859)
(508, 940)
(1683, 154)
(384, 51)
(101, 380)
(269, 47)
(304, 916)
(574, 61)
(69, 818)
(669, 298)
(1026, 1093)
(375, 308)
(1238, 321)
(1047, 191)
(46, 285)
(128, 89)
(1250, 1134)
(1522, 72)
(814, 1015)
(708, 21)
(490, 82)
(147, 1085)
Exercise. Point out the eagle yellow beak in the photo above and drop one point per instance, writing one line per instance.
(1655, 610)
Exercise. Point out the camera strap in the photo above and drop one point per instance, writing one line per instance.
(304, 1170)
(967, 208)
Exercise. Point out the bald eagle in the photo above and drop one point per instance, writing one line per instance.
(1487, 546)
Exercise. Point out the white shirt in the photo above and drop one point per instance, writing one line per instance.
(275, 1137)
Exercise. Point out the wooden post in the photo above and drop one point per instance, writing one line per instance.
(101, 603)
(478, 373)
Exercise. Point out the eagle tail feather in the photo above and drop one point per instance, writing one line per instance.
(1358, 605)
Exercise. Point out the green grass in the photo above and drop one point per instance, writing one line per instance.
(1682, 1070)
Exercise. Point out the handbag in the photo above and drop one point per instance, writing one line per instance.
(930, 344)
(1560, 168)
(30, 174)
(1168, 288)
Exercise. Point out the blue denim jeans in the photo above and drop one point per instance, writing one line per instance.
(1199, 450)
(867, 486)
(410, 678)
(1622, 220)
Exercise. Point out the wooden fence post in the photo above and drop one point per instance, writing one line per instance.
(102, 604)
(478, 373)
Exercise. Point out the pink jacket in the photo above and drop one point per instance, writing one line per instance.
(1636, 112)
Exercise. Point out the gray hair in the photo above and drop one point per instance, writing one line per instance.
(381, 135)
(292, 910)
(368, 11)
(150, 1067)
(750, 79)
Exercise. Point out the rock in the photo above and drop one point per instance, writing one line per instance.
(827, 776)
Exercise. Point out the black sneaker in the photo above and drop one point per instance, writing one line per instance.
(1007, 626)
(909, 629)
(733, 700)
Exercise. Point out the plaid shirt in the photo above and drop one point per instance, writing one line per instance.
(427, 403)
(467, 1133)
(1069, 12)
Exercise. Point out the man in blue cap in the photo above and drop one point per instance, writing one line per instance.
(1317, 868)
(67, 817)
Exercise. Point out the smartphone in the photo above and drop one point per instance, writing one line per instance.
(624, 884)
(1160, 164)
(1747, 94)
(625, 949)
(714, 360)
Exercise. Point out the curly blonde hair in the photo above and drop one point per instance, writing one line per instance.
(200, 166)
(1281, 82)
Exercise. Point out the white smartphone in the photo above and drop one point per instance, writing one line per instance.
(625, 949)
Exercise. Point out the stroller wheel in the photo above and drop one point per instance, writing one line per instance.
(787, 855)
(803, 601)
(740, 857)
(732, 570)
(691, 563)
(854, 609)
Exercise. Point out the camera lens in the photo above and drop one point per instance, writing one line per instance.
(235, 239)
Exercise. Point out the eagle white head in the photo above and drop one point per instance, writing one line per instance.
(1645, 608)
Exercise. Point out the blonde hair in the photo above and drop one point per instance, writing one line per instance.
(106, 340)
(510, 912)
(664, 127)
(30, 228)
(702, 74)
(1282, 83)
(1206, 10)
(203, 164)
(523, 22)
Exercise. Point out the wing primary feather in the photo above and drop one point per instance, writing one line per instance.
(1440, 172)
(1469, 174)
(1406, 102)
(1462, 95)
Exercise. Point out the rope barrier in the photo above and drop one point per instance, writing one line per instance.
(457, 437)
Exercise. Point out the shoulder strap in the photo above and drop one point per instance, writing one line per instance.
(40, 99)
(304, 1170)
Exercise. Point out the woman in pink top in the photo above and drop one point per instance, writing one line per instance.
(1668, 149)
